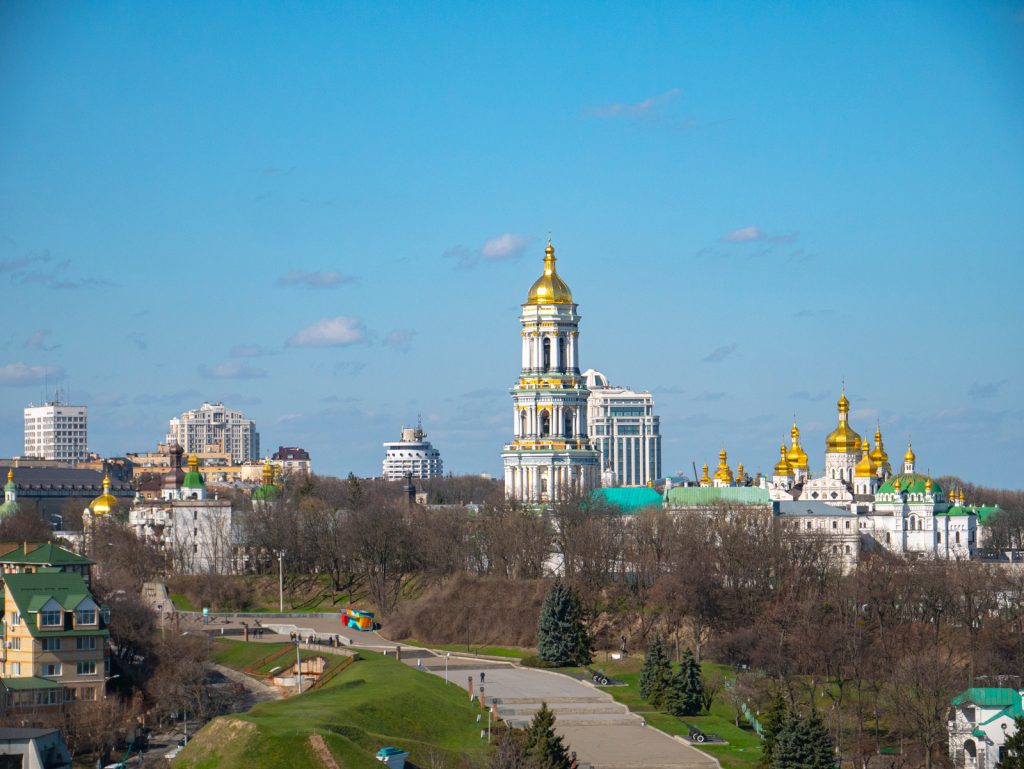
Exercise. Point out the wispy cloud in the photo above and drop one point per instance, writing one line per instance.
(37, 340)
(743, 235)
(339, 331)
(248, 351)
(806, 395)
(138, 340)
(986, 389)
(16, 374)
(400, 339)
(314, 279)
(721, 353)
(42, 269)
(167, 399)
(645, 108)
(504, 247)
(232, 369)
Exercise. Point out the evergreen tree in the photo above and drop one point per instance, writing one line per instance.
(544, 748)
(675, 701)
(655, 675)
(1013, 748)
(772, 722)
(692, 684)
(562, 638)
(803, 744)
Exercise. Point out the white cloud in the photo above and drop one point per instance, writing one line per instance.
(506, 246)
(330, 332)
(721, 353)
(37, 340)
(232, 370)
(314, 279)
(743, 235)
(14, 374)
(642, 108)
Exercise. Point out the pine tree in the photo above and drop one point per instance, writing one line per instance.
(655, 675)
(692, 683)
(675, 701)
(562, 637)
(819, 743)
(803, 744)
(544, 748)
(1013, 748)
(772, 722)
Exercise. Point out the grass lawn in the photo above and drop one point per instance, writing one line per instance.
(512, 652)
(744, 748)
(241, 655)
(181, 602)
(374, 702)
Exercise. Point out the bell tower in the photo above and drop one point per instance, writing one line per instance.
(550, 456)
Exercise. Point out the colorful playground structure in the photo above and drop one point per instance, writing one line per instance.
(359, 620)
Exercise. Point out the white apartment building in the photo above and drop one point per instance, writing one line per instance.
(58, 431)
(412, 455)
(625, 431)
(212, 427)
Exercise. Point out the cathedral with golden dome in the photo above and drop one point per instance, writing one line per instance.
(904, 512)
(551, 456)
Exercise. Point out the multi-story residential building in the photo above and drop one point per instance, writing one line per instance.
(57, 430)
(412, 455)
(625, 430)
(55, 640)
(214, 428)
(292, 460)
(30, 557)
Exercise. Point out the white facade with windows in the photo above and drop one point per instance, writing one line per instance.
(412, 455)
(212, 427)
(57, 431)
(625, 430)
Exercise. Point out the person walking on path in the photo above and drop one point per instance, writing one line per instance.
(481, 678)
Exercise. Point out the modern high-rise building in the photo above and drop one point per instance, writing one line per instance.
(625, 430)
(212, 427)
(550, 457)
(412, 455)
(57, 430)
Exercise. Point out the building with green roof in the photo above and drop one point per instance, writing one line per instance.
(981, 721)
(629, 500)
(27, 557)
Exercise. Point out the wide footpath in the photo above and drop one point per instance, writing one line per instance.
(602, 732)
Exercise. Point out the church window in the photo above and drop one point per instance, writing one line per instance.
(522, 423)
(545, 423)
(547, 353)
(561, 354)
(567, 431)
(958, 537)
(835, 524)
(938, 537)
(847, 524)
(847, 549)
(809, 524)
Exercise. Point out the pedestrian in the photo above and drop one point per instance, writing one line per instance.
(481, 678)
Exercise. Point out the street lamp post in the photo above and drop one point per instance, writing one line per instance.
(298, 663)
(280, 578)
(449, 654)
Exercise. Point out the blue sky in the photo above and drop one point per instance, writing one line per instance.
(328, 214)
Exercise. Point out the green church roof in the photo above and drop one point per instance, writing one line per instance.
(698, 496)
(958, 510)
(31, 592)
(44, 555)
(986, 512)
(629, 500)
(910, 482)
(988, 697)
(193, 480)
(266, 491)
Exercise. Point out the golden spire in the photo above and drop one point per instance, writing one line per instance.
(878, 455)
(704, 479)
(796, 456)
(193, 463)
(843, 440)
(952, 496)
(928, 485)
(896, 485)
(723, 473)
(105, 502)
(909, 456)
(268, 473)
(549, 288)
(865, 467)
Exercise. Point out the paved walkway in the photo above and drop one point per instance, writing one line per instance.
(603, 733)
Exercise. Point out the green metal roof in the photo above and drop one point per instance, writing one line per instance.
(631, 499)
(911, 482)
(957, 510)
(696, 496)
(1012, 711)
(266, 491)
(193, 480)
(989, 697)
(45, 555)
(33, 591)
(29, 683)
(985, 513)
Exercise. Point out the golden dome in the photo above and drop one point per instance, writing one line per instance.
(878, 455)
(106, 502)
(723, 473)
(896, 485)
(268, 473)
(865, 467)
(909, 456)
(796, 455)
(782, 467)
(704, 479)
(928, 485)
(843, 440)
(952, 495)
(549, 288)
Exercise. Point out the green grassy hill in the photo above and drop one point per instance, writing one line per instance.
(374, 702)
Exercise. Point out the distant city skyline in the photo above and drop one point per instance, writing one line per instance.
(328, 219)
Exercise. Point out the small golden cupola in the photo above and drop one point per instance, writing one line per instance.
(878, 455)
(897, 486)
(704, 479)
(106, 502)
(908, 459)
(865, 467)
(783, 467)
(928, 486)
(549, 288)
(723, 473)
(796, 455)
(952, 496)
(843, 440)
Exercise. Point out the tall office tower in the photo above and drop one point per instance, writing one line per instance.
(412, 455)
(58, 431)
(625, 431)
(211, 427)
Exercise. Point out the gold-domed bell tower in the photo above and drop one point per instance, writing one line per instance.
(843, 447)
(782, 477)
(551, 456)
(797, 457)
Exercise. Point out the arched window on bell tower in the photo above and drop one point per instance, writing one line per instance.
(522, 424)
(561, 354)
(567, 428)
(547, 354)
(545, 424)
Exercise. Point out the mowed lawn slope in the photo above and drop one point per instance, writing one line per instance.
(375, 702)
